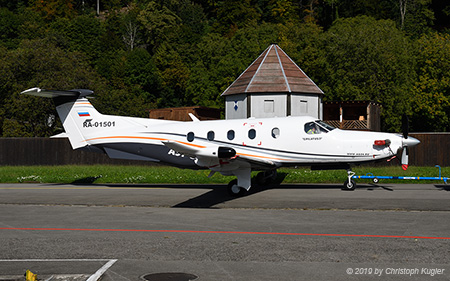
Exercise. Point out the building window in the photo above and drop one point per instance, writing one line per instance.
(230, 135)
(190, 136)
(210, 136)
(252, 134)
(303, 106)
(269, 106)
(275, 133)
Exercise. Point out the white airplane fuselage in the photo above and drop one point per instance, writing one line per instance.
(231, 147)
(282, 141)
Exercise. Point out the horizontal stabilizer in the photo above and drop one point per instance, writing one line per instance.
(60, 136)
(76, 93)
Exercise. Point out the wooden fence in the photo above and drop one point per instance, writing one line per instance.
(433, 149)
(47, 151)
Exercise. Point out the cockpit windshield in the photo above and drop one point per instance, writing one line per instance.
(318, 127)
(325, 125)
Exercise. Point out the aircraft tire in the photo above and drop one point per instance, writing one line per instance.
(261, 179)
(235, 190)
(266, 177)
(349, 185)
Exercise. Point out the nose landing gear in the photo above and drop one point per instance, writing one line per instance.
(349, 184)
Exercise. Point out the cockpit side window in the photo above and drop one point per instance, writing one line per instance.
(318, 127)
(312, 128)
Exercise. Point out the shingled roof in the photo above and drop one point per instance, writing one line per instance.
(273, 72)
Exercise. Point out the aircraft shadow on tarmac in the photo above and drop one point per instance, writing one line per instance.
(218, 194)
(443, 187)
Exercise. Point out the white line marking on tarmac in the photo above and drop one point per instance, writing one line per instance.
(94, 277)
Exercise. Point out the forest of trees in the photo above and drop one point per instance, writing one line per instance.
(142, 54)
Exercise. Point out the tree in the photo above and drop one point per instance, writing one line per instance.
(140, 70)
(39, 63)
(131, 29)
(305, 44)
(431, 91)
(235, 14)
(370, 59)
(282, 11)
(52, 9)
(82, 33)
(159, 22)
(219, 61)
(416, 17)
(173, 73)
(9, 28)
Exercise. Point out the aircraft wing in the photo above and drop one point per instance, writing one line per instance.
(184, 148)
(258, 161)
(219, 152)
(201, 151)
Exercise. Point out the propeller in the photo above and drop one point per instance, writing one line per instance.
(405, 126)
(406, 142)
(405, 156)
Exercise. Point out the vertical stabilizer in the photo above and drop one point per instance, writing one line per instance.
(75, 117)
(74, 110)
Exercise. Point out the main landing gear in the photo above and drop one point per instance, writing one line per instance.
(349, 184)
(239, 187)
(235, 190)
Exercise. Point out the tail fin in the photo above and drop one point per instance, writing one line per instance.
(73, 109)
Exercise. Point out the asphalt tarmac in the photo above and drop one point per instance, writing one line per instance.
(177, 232)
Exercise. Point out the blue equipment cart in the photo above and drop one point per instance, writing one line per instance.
(376, 179)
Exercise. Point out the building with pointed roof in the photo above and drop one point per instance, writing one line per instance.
(273, 85)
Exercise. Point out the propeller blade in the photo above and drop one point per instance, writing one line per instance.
(405, 126)
(405, 156)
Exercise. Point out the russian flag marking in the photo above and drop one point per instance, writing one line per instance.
(83, 114)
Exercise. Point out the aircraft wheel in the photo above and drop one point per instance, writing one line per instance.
(267, 177)
(375, 180)
(236, 190)
(349, 185)
(261, 178)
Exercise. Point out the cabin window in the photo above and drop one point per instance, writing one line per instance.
(252, 134)
(210, 136)
(275, 133)
(230, 135)
(190, 136)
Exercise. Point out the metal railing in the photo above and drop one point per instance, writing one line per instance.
(349, 124)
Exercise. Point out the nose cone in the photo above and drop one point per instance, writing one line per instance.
(410, 141)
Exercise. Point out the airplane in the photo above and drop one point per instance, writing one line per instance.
(231, 147)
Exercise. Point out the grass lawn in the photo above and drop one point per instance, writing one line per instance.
(164, 174)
